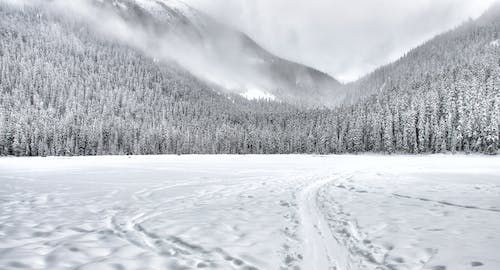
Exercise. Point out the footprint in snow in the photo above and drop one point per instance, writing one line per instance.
(475, 264)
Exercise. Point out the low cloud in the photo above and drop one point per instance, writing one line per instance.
(221, 63)
(344, 38)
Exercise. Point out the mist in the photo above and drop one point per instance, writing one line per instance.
(346, 39)
(220, 63)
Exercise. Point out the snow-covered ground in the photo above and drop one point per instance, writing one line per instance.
(250, 212)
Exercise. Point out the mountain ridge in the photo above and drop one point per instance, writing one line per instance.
(365, 86)
(288, 81)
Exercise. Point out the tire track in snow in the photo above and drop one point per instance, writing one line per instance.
(319, 243)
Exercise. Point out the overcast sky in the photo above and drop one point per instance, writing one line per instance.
(345, 38)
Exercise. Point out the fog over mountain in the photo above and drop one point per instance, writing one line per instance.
(346, 39)
(92, 77)
(174, 32)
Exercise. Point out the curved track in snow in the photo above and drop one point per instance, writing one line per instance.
(318, 241)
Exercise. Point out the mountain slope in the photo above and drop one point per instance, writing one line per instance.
(223, 55)
(468, 44)
(442, 96)
(66, 89)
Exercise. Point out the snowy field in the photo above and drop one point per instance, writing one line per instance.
(250, 212)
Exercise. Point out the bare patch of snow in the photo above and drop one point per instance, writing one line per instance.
(155, 7)
(120, 5)
(256, 94)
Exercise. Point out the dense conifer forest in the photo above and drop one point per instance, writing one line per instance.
(65, 90)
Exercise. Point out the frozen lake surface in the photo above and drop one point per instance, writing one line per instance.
(433, 212)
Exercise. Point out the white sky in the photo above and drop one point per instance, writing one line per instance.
(345, 38)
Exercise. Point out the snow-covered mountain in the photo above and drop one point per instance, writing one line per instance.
(470, 44)
(112, 78)
(223, 55)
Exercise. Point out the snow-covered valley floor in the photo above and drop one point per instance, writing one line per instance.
(250, 212)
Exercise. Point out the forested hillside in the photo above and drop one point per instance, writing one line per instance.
(472, 43)
(213, 51)
(65, 90)
(441, 96)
